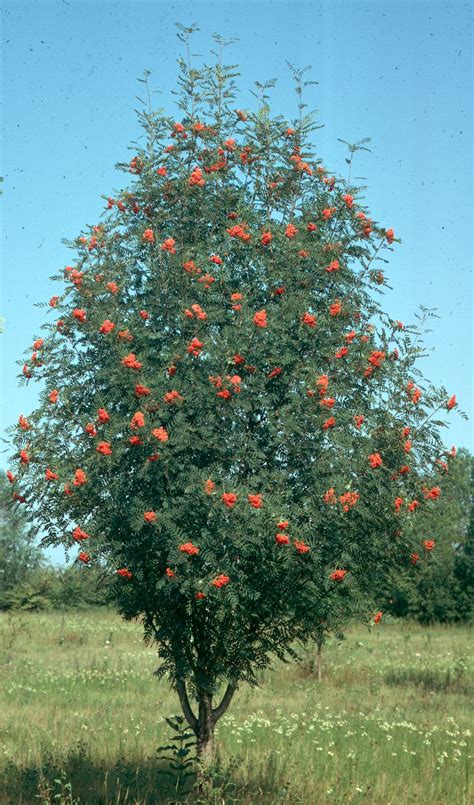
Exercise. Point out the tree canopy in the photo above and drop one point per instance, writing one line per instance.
(229, 421)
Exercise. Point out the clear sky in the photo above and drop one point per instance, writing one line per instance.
(398, 72)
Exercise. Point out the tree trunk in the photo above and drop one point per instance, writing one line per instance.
(205, 729)
(318, 660)
(203, 725)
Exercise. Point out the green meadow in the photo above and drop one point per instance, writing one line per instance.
(82, 717)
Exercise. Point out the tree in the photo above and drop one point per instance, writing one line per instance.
(224, 404)
(438, 586)
(18, 553)
(464, 559)
(59, 588)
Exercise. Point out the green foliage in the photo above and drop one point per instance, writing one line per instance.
(440, 587)
(464, 556)
(180, 766)
(220, 332)
(58, 588)
(19, 555)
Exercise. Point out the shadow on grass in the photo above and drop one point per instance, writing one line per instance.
(76, 779)
(451, 681)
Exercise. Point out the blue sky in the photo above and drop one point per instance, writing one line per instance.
(397, 72)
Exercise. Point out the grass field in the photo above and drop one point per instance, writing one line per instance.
(82, 716)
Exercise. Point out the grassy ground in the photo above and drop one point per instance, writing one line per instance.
(82, 717)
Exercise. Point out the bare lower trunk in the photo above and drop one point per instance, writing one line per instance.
(319, 661)
(203, 725)
(204, 744)
(205, 729)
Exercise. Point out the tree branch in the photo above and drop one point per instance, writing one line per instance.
(185, 706)
(226, 700)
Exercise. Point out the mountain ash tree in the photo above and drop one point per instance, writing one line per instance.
(228, 422)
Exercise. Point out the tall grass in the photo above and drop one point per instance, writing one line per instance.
(82, 717)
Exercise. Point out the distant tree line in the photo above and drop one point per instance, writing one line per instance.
(27, 580)
(437, 587)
